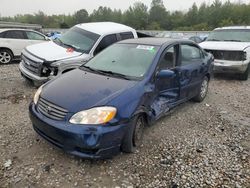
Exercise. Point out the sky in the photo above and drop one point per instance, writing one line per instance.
(13, 7)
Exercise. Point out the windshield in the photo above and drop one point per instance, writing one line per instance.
(131, 60)
(237, 35)
(78, 39)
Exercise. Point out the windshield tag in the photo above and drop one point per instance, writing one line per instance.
(70, 50)
(144, 47)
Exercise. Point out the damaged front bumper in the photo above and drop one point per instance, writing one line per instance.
(86, 141)
(224, 66)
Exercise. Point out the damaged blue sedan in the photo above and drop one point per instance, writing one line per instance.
(102, 108)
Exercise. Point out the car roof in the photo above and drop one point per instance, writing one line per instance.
(13, 29)
(153, 41)
(103, 28)
(233, 27)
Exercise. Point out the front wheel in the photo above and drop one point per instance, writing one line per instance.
(133, 137)
(5, 56)
(203, 90)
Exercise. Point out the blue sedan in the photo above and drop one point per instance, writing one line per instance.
(102, 108)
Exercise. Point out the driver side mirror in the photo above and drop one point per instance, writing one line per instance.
(165, 74)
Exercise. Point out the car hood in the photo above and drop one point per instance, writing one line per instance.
(80, 90)
(230, 46)
(50, 51)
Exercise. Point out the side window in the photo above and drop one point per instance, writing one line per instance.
(34, 36)
(168, 58)
(15, 35)
(127, 35)
(105, 42)
(2, 35)
(190, 54)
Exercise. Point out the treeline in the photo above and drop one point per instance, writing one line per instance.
(155, 17)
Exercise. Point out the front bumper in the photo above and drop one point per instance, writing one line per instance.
(26, 73)
(93, 142)
(223, 66)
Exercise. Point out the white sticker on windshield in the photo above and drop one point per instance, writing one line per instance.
(144, 47)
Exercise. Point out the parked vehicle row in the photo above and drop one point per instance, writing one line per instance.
(120, 83)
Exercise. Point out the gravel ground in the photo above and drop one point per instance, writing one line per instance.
(198, 145)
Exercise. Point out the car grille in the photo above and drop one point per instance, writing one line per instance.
(51, 110)
(228, 55)
(31, 65)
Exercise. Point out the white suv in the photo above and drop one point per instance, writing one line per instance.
(231, 49)
(13, 41)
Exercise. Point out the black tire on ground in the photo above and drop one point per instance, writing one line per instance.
(244, 76)
(6, 56)
(202, 91)
(134, 136)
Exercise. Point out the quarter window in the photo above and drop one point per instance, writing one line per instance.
(189, 54)
(15, 35)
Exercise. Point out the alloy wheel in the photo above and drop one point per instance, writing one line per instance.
(5, 57)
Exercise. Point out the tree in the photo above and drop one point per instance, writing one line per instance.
(81, 16)
(159, 14)
(136, 16)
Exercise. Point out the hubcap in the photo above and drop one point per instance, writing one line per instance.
(5, 57)
(204, 87)
(138, 132)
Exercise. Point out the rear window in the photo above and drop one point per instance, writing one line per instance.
(127, 35)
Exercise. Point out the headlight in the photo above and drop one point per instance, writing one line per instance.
(94, 116)
(37, 94)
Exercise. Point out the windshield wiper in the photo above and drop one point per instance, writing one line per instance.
(233, 40)
(72, 46)
(91, 69)
(116, 74)
(107, 72)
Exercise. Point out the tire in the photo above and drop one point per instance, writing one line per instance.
(134, 136)
(6, 56)
(202, 91)
(244, 76)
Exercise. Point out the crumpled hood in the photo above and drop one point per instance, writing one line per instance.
(221, 45)
(50, 51)
(79, 90)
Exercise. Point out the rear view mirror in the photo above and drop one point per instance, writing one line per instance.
(165, 74)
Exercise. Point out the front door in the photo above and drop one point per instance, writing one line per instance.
(168, 89)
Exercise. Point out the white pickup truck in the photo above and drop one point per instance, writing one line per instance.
(41, 62)
(230, 47)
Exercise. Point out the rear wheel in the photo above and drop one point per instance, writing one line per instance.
(203, 90)
(5, 56)
(134, 136)
(244, 76)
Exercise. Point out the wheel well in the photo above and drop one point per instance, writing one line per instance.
(145, 116)
(3, 48)
(208, 76)
(67, 70)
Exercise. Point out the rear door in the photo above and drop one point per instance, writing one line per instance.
(16, 40)
(191, 70)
